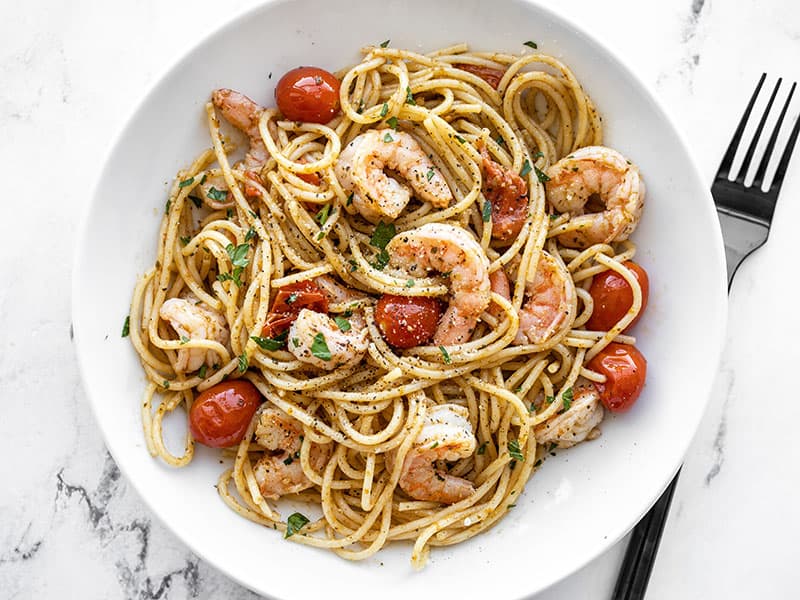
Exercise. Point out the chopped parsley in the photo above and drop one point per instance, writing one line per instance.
(410, 283)
(543, 178)
(429, 174)
(487, 211)
(243, 363)
(539, 154)
(165, 384)
(322, 216)
(295, 342)
(383, 234)
(460, 139)
(292, 298)
(482, 448)
(229, 213)
(238, 254)
(342, 323)
(434, 444)
(445, 355)
(381, 260)
(166, 207)
(320, 235)
(218, 195)
(126, 326)
(500, 141)
(353, 265)
(514, 450)
(197, 201)
(202, 372)
(319, 347)
(566, 398)
(295, 523)
(350, 199)
(386, 43)
(550, 399)
(384, 109)
(251, 233)
(410, 97)
(184, 340)
(530, 44)
(266, 343)
(388, 137)
(186, 182)
(392, 122)
(526, 168)
(185, 239)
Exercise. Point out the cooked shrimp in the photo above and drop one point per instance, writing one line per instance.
(360, 170)
(550, 302)
(244, 114)
(601, 173)
(279, 472)
(576, 424)
(498, 281)
(508, 194)
(193, 320)
(338, 293)
(316, 339)
(452, 250)
(445, 436)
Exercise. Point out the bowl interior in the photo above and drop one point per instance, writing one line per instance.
(582, 500)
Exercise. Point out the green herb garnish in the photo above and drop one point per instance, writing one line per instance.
(530, 44)
(482, 448)
(445, 355)
(526, 168)
(342, 323)
(218, 195)
(243, 363)
(186, 182)
(319, 347)
(386, 43)
(392, 122)
(238, 254)
(543, 178)
(185, 239)
(251, 233)
(429, 174)
(514, 450)
(384, 109)
(383, 234)
(202, 372)
(322, 216)
(410, 97)
(266, 343)
(295, 523)
(460, 139)
(184, 340)
(388, 137)
(126, 326)
(487, 211)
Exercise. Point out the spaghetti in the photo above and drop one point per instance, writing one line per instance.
(235, 233)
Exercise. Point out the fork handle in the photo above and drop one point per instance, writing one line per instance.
(643, 548)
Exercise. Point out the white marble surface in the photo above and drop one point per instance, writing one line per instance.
(71, 526)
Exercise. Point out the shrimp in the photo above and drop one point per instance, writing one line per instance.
(498, 281)
(508, 194)
(446, 435)
(244, 114)
(338, 293)
(596, 172)
(279, 471)
(193, 320)
(316, 339)
(452, 250)
(360, 170)
(578, 423)
(550, 305)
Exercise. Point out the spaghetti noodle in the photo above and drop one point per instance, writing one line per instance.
(231, 239)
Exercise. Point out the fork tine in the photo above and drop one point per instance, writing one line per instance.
(787, 155)
(727, 160)
(751, 149)
(762, 168)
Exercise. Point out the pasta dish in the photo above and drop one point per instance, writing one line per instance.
(390, 296)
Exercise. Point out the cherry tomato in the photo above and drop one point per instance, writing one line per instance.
(625, 369)
(220, 415)
(308, 94)
(488, 74)
(288, 303)
(613, 297)
(304, 294)
(508, 194)
(406, 322)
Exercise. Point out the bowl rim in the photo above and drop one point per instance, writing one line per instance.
(182, 56)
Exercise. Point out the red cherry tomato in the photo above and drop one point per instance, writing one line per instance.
(308, 94)
(625, 369)
(488, 74)
(220, 415)
(613, 297)
(406, 322)
(288, 303)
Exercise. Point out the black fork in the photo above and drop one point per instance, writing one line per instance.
(745, 215)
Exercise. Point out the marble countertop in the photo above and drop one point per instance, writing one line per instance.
(71, 526)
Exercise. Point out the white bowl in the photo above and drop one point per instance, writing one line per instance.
(580, 502)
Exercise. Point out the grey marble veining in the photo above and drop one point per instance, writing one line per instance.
(71, 526)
